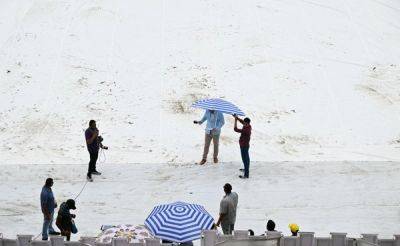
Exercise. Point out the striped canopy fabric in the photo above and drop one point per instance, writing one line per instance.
(179, 222)
(218, 105)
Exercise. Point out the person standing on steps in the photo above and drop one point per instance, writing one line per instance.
(48, 205)
(93, 143)
(215, 121)
(227, 210)
(244, 142)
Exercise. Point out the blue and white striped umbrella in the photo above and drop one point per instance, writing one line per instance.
(218, 105)
(179, 221)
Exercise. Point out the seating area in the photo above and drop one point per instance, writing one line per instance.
(211, 238)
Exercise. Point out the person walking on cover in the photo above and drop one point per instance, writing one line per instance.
(48, 204)
(244, 142)
(215, 121)
(93, 143)
(227, 210)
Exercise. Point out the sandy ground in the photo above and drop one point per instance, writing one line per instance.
(353, 197)
(319, 79)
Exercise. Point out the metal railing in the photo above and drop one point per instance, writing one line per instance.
(211, 238)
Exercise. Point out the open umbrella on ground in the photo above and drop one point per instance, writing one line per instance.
(134, 234)
(218, 105)
(179, 221)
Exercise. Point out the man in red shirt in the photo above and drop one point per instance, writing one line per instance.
(244, 142)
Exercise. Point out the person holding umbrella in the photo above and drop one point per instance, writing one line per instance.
(244, 142)
(215, 107)
(215, 121)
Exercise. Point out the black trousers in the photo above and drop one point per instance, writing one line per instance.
(92, 163)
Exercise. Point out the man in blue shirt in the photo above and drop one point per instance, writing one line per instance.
(48, 204)
(215, 121)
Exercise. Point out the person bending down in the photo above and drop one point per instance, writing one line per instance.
(64, 219)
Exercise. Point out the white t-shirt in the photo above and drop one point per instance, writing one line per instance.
(228, 207)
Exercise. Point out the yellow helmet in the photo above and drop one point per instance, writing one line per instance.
(294, 227)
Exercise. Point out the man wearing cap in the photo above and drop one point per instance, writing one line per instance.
(64, 218)
(48, 204)
(227, 210)
(215, 121)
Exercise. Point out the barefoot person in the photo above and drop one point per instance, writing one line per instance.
(93, 143)
(215, 121)
(244, 142)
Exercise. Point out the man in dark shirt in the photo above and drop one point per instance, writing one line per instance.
(93, 143)
(48, 204)
(244, 142)
(64, 219)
